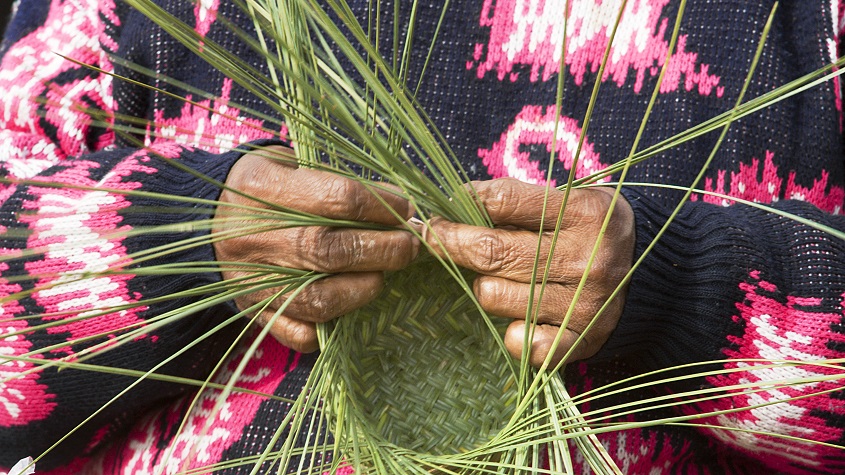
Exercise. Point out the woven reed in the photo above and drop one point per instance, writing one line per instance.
(422, 367)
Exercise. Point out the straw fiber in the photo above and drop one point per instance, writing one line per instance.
(422, 367)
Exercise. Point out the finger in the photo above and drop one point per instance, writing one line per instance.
(506, 253)
(337, 250)
(314, 191)
(506, 298)
(295, 334)
(324, 249)
(510, 202)
(320, 301)
(542, 344)
(338, 197)
(333, 296)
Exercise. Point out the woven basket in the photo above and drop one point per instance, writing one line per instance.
(422, 369)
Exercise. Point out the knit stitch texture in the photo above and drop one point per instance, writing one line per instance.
(725, 282)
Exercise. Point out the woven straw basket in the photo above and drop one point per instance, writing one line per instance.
(422, 369)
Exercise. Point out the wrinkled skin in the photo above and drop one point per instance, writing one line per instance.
(503, 257)
(357, 258)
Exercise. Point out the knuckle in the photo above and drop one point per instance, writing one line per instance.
(336, 250)
(316, 302)
(601, 271)
(588, 209)
(249, 174)
(586, 311)
(344, 197)
(303, 238)
(609, 269)
(322, 249)
(488, 255)
(501, 197)
(241, 247)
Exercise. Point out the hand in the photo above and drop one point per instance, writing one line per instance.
(504, 257)
(358, 258)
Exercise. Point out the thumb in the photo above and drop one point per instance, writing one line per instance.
(542, 343)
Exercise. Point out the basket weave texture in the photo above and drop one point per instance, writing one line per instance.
(422, 367)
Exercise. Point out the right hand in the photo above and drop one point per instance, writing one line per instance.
(356, 257)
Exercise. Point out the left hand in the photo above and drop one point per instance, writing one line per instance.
(504, 258)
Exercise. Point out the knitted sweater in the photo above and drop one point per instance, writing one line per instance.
(725, 282)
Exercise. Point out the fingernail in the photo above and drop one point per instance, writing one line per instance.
(416, 224)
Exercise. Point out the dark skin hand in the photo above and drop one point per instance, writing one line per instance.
(357, 258)
(504, 257)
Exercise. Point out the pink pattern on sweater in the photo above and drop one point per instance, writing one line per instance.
(632, 450)
(71, 29)
(779, 327)
(529, 33)
(212, 126)
(535, 126)
(22, 398)
(153, 448)
(769, 187)
(205, 12)
(79, 232)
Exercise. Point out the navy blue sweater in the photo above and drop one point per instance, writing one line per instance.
(725, 281)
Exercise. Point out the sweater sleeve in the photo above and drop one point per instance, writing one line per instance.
(76, 215)
(741, 286)
(69, 281)
(737, 284)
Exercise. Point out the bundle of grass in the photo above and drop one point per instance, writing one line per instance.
(419, 381)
